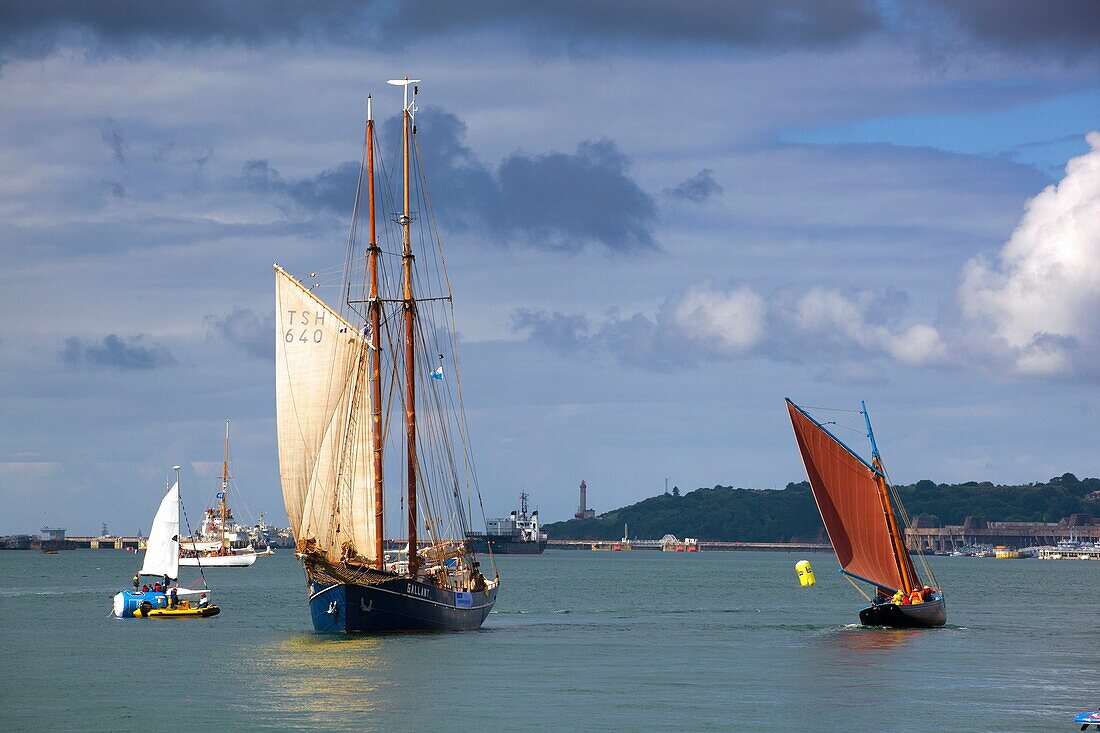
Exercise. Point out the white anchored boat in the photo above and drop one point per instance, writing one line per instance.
(214, 546)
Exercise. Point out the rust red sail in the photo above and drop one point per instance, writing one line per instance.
(847, 494)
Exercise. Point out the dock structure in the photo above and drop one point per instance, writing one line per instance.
(106, 543)
(975, 532)
(71, 542)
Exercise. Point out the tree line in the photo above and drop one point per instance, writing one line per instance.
(727, 514)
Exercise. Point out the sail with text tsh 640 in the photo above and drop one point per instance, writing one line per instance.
(162, 549)
(323, 406)
(847, 495)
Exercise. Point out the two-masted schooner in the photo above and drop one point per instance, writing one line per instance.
(341, 374)
(218, 544)
(857, 505)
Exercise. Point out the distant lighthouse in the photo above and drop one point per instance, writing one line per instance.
(583, 512)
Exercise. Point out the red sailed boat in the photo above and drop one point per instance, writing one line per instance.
(857, 505)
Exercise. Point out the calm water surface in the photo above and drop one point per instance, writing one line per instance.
(579, 641)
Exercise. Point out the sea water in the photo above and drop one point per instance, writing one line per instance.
(579, 641)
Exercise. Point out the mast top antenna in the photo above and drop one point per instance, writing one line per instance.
(410, 107)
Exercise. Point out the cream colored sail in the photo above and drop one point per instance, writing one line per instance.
(162, 549)
(323, 410)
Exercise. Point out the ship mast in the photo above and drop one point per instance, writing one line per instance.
(901, 553)
(375, 308)
(410, 321)
(225, 485)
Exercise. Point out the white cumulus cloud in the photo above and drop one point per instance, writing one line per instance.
(1037, 305)
(726, 321)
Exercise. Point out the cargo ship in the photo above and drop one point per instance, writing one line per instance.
(516, 534)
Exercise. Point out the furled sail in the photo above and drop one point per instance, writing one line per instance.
(162, 549)
(324, 426)
(848, 497)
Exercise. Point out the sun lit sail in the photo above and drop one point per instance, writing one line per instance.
(162, 549)
(324, 425)
(847, 495)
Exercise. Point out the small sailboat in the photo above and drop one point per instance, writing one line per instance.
(857, 505)
(161, 563)
(214, 548)
(332, 429)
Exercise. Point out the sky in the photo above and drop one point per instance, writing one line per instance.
(658, 222)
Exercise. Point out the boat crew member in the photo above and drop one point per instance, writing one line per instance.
(203, 601)
(174, 597)
(137, 581)
(165, 583)
(898, 598)
(144, 589)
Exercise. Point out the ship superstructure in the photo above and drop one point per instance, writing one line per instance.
(517, 534)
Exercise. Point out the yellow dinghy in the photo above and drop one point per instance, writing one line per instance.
(182, 610)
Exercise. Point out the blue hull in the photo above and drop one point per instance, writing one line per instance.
(396, 605)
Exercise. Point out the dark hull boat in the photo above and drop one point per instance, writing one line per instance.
(334, 420)
(927, 615)
(480, 542)
(857, 505)
(398, 604)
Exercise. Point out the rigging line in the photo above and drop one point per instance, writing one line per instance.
(439, 444)
(423, 199)
(468, 463)
(896, 495)
(443, 405)
(183, 510)
(861, 591)
(237, 495)
(830, 409)
(350, 253)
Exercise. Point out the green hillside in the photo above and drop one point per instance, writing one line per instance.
(727, 514)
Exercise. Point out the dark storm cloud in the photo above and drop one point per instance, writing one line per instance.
(560, 200)
(114, 353)
(245, 330)
(556, 201)
(776, 23)
(35, 27)
(465, 194)
(557, 330)
(696, 189)
(333, 188)
(1062, 27)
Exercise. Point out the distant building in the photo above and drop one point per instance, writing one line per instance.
(51, 534)
(583, 512)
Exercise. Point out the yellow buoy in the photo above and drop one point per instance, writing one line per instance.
(805, 573)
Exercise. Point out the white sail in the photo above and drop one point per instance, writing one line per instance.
(323, 411)
(162, 549)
